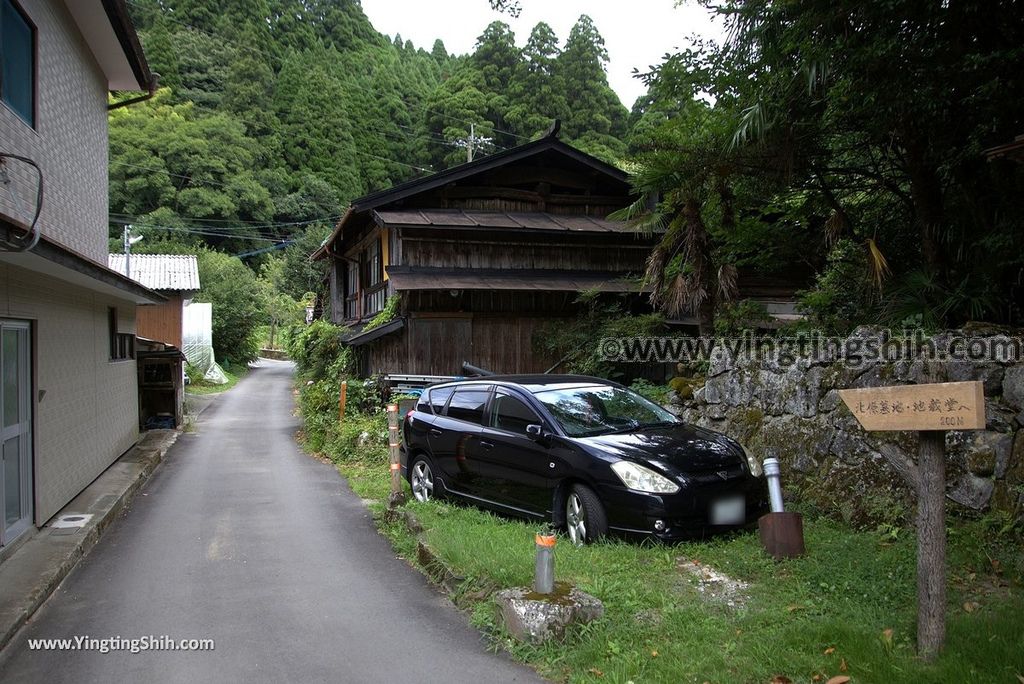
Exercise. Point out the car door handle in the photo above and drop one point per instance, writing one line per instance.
(435, 432)
(486, 444)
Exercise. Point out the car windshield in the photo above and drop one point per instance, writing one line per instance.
(602, 409)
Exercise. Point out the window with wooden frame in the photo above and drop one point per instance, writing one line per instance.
(122, 345)
(17, 62)
(351, 284)
(374, 285)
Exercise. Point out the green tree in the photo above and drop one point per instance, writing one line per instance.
(881, 111)
(239, 305)
(538, 94)
(597, 120)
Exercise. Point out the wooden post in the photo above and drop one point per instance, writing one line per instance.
(341, 401)
(931, 410)
(397, 494)
(931, 544)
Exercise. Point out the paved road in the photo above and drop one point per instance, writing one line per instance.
(242, 538)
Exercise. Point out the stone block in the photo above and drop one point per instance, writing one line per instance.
(536, 618)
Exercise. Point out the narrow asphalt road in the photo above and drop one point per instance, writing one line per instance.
(242, 538)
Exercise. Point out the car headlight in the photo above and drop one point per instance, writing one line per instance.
(755, 466)
(641, 479)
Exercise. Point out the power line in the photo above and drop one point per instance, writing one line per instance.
(180, 229)
(235, 222)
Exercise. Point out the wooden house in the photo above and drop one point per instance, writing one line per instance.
(176, 277)
(481, 255)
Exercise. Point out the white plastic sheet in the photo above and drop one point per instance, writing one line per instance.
(197, 341)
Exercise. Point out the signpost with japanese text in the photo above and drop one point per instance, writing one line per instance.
(931, 410)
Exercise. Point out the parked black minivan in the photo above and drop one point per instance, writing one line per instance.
(587, 454)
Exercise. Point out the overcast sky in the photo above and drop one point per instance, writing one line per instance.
(637, 34)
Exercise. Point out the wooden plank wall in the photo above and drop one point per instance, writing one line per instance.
(438, 345)
(160, 322)
(628, 256)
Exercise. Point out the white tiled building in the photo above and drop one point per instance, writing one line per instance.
(68, 385)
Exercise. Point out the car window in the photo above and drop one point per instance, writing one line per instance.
(423, 405)
(510, 413)
(439, 397)
(600, 409)
(468, 404)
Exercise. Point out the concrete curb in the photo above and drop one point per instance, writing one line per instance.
(35, 570)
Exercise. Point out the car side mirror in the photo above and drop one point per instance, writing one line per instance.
(537, 433)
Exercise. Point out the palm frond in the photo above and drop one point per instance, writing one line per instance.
(877, 263)
(728, 282)
(752, 125)
(835, 227)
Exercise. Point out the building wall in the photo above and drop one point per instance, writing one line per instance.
(161, 322)
(88, 414)
(69, 141)
(438, 345)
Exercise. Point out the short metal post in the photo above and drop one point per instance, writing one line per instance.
(544, 564)
(773, 473)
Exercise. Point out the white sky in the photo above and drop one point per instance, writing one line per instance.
(637, 34)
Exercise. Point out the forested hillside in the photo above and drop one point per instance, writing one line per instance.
(274, 114)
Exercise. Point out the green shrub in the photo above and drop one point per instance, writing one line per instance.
(319, 353)
(645, 388)
(577, 341)
(361, 437)
(841, 296)
(735, 318)
(386, 315)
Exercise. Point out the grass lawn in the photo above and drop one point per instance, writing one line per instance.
(232, 371)
(846, 609)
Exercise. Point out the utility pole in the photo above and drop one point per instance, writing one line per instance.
(128, 241)
(470, 143)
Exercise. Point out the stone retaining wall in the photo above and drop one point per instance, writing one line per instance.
(794, 413)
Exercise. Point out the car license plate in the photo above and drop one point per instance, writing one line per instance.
(730, 511)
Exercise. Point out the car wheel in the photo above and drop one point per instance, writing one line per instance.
(585, 519)
(421, 479)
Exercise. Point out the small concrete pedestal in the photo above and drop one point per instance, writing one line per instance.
(535, 618)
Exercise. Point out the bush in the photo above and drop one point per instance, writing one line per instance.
(362, 436)
(319, 353)
(656, 393)
(578, 341)
(841, 297)
(238, 306)
(736, 318)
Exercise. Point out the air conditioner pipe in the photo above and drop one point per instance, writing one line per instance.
(32, 239)
(773, 475)
(470, 369)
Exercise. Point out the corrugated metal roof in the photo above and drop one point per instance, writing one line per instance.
(160, 271)
(483, 219)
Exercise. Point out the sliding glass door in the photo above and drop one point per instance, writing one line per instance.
(15, 429)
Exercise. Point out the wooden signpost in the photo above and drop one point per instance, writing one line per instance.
(931, 410)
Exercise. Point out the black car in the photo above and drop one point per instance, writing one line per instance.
(587, 454)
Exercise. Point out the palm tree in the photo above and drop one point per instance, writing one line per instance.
(684, 168)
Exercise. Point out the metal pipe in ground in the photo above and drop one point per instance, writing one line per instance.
(544, 564)
(782, 533)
